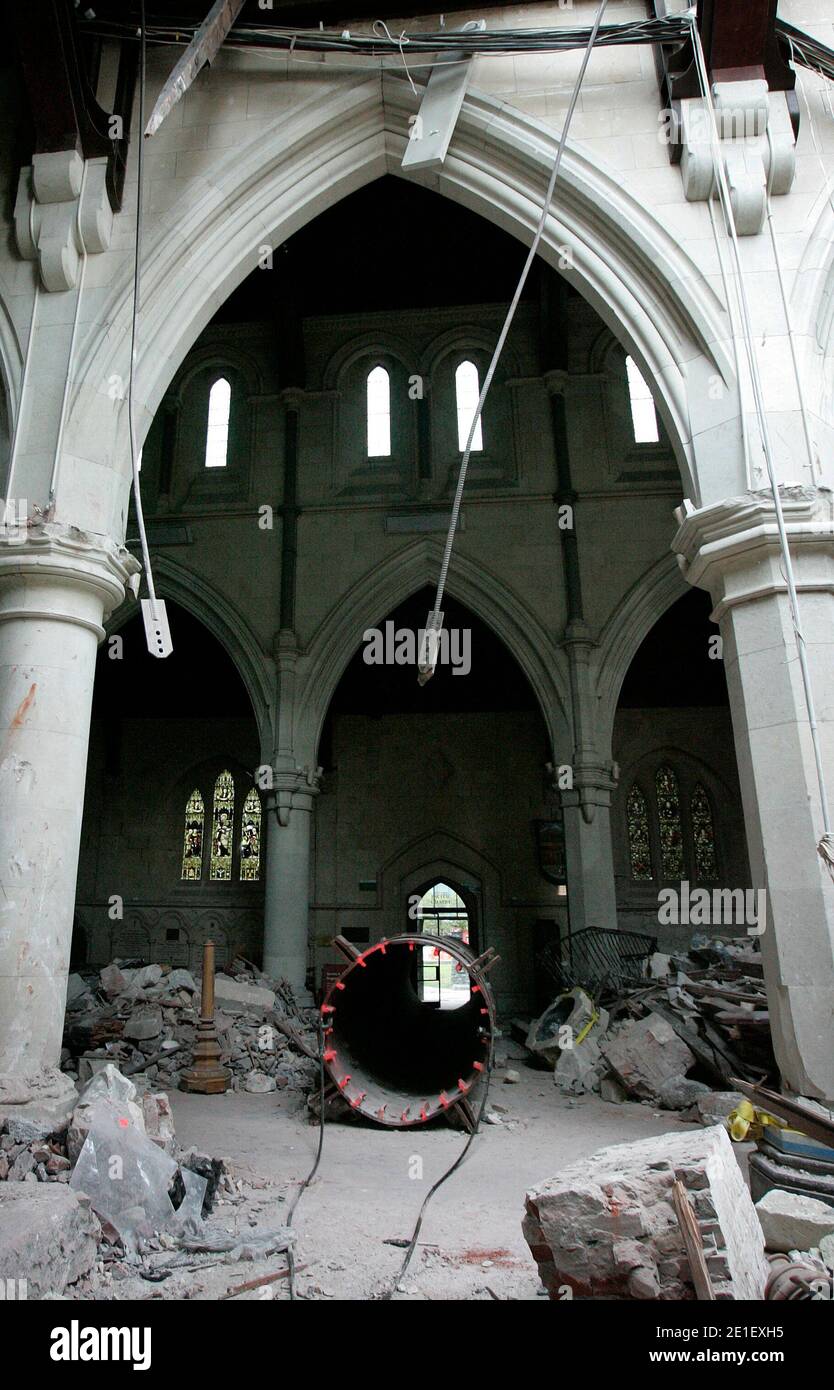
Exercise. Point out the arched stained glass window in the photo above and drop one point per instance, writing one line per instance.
(467, 391)
(639, 845)
(703, 835)
(250, 838)
(222, 829)
(217, 429)
(643, 412)
(192, 850)
(379, 414)
(669, 823)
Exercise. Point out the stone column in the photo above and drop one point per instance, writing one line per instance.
(732, 550)
(57, 587)
(287, 899)
(592, 897)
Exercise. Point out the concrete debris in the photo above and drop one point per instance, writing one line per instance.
(606, 1226)
(791, 1222)
(237, 997)
(611, 1090)
(44, 1100)
(679, 1093)
(143, 1020)
(260, 1083)
(143, 1024)
(715, 1108)
(647, 1053)
(159, 1121)
(48, 1238)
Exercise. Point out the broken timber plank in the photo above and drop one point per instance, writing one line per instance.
(694, 1245)
(207, 41)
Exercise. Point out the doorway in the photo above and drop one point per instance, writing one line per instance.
(443, 982)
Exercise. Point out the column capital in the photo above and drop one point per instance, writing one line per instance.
(732, 547)
(294, 788)
(594, 780)
(51, 570)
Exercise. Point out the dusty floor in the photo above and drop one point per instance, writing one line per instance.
(370, 1186)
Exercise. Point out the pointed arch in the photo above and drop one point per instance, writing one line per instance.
(380, 591)
(632, 270)
(226, 623)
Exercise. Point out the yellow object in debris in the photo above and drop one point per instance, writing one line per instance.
(746, 1122)
(586, 1030)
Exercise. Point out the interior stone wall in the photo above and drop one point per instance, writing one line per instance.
(139, 778)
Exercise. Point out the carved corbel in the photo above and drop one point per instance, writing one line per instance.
(54, 224)
(757, 147)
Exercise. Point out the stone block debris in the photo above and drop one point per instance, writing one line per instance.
(791, 1222)
(646, 1054)
(49, 1237)
(606, 1227)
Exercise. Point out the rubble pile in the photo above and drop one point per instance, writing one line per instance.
(143, 1018)
(689, 1023)
(126, 1202)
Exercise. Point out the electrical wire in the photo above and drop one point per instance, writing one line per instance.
(412, 1245)
(825, 847)
(137, 284)
(312, 1173)
(672, 29)
(502, 337)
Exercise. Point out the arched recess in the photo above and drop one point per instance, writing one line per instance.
(628, 625)
(227, 624)
(441, 855)
(634, 273)
(390, 583)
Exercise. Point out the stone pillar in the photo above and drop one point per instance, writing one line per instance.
(287, 899)
(57, 587)
(732, 550)
(592, 897)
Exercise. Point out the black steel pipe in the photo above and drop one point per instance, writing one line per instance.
(393, 1056)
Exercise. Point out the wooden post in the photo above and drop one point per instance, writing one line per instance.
(206, 1076)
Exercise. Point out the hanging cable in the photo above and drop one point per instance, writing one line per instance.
(825, 847)
(428, 658)
(312, 1173)
(154, 615)
(803, 405)
(137, 283)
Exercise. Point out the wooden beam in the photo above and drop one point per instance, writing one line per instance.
(204, 46)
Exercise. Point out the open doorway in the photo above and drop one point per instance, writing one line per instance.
(443, 981)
